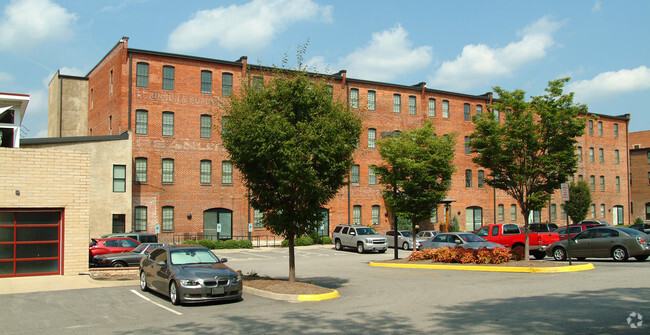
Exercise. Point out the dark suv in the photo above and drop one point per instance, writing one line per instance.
(542, 227)
(574, 229)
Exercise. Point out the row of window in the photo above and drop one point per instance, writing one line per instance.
(142, 123)
(601, 155)
(600, 128)
(205, 168)
(169, 77)
(592, 182)
(374, 216)
(140, 218)
(355, 177)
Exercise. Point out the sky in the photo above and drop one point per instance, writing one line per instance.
(461, 46)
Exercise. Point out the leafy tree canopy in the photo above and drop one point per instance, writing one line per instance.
(580, 200)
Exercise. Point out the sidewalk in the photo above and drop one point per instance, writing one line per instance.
(14, 285)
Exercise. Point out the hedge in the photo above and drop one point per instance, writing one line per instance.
(219, 244)
(464, 256)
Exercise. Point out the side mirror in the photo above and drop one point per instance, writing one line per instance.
(458, 242)
(353, 233)
(223, 260)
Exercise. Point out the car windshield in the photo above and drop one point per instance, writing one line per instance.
(143, 246)
(366, 231)
(193, 256)
(471, 238)
(407, 234)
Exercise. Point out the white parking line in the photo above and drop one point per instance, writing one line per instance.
(155, 303)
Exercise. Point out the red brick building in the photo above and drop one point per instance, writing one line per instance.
(640, 175)
(184, 184)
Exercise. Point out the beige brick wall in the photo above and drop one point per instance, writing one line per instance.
(50, 178)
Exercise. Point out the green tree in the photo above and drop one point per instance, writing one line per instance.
(532, 152)
(580, 200)
(418, 167)
(293, 145)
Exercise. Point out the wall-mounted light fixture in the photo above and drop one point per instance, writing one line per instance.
(189, 216)
(17, 192)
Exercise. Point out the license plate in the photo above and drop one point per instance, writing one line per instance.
(217, 290)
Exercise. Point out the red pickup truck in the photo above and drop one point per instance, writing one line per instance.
(511, 236)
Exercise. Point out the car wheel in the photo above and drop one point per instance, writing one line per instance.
(118, 264)
(405, 246)
(360, 248)
(143, 282)
(539, 254)
(559, 254)
(641, 258)
(619, 254)
(173, 293)
(337, 244)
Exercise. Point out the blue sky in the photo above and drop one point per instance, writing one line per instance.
(462, 46)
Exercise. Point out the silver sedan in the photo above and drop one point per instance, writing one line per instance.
(404, 239)
(452, 240)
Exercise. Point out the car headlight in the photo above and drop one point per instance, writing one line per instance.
(190, 282)
(238, 278)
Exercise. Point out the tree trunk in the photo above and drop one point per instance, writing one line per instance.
(395, 237)
(527, 242)
(415, 245)
(292, 259)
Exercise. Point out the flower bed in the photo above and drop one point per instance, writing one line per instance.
(464, 256)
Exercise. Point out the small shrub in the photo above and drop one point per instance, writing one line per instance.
(638, 221)
(467, 256)
(245, 244)
(207, 243)
(483, 256)
(500, 255)
(191, 242)
(326, 240)
(300, 241)
(464, 256)
(517, 253)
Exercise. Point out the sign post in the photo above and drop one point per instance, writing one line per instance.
(250, 230)
(218, 230)
(566, 196)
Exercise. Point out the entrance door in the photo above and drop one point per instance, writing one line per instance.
(473, 218)
(324, 228)
(212, 218)
(617, 215)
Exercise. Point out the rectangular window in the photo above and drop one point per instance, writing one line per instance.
(591, 155)
(602, 211)
(602, 183)
(500, 213)
(553, 212)
(142, 75)
(481, 177)
(354, 175)
(497, 115)
(397, 103)
(168, 218)
(412, 105)
(479, 110)
(356, 215)
(226, 172)
(140, 170)
(371, 100)
(434, 215)
(206, 126)
(601, 155)
(592, 182)
(354, 98)
(579, 154)
(467, 147)
(593, 211)
(372, 137)
(372, 178)
(618, 184)
(617, 157)
(468, 178)
(376, 211)
(258, 83)
(615, 130)
(168, 77)
(224, 123)
(258, 218)
(111, 89)
(226, 84)
(513, 213)
(445, 109)
(168, 124)
(206, 172)
(140, 218)
(466, 112)
(206, 81)
(167, 170)
(591, 127)
(141, 122)
(119, 178)
(432, 107)
(600, 128)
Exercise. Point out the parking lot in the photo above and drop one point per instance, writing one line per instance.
(373, 301)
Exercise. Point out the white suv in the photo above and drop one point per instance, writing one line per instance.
(360, 237)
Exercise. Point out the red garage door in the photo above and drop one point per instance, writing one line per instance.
(30, 243)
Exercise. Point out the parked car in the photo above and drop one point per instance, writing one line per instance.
(595, 222)
(574, 229)
(404, 239)
(131, 258)
(542, 227)
(644, 227)
(452, 240)
(604, 242)
(511, 236)
(360, 237)
(189, 273)
(102, 246)
(140, 237)
(427, 233)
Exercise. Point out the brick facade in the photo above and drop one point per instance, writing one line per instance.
(640, 175)
(116, 106)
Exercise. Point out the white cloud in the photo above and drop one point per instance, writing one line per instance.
(479, 64)
(27, 23)
(36, 114)
(608, 85)
(6, 77)
(250, 26)
(597, 6)
(388, 54)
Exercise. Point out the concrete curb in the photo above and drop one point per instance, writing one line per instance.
(554, 269)
(291, 297)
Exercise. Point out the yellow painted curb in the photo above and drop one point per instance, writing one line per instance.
(554, 269)
(319, 297)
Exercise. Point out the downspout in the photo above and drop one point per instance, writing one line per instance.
(627, 167)
(130, 87)
(347, 99)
